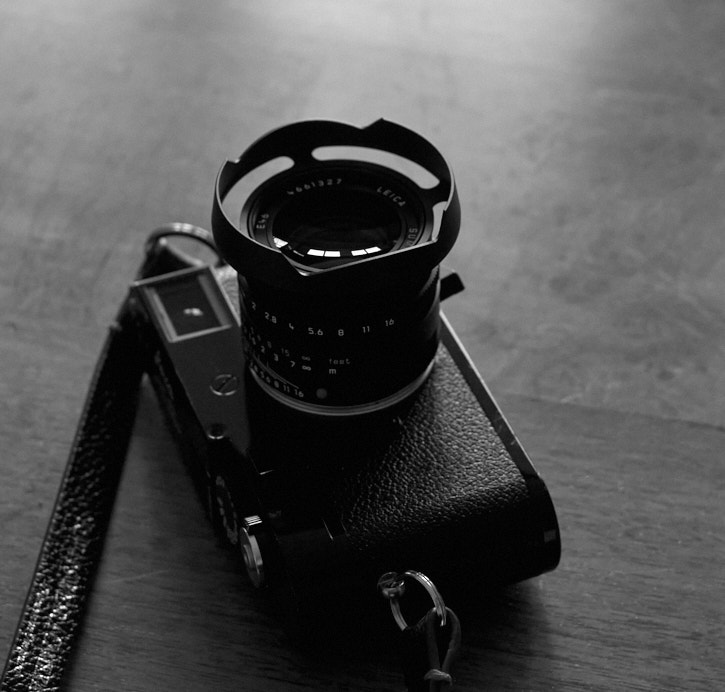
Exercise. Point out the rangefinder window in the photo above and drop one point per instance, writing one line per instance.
(188, 306)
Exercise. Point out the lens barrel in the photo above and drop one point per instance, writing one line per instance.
(337, 261)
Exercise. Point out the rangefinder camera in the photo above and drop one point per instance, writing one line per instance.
(331, 420)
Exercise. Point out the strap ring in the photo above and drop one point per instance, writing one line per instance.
(182, 230)
(392, 587)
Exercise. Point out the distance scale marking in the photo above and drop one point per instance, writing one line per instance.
(275, 355)
(266, 359)
(273, 380)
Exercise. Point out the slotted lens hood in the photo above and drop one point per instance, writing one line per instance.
(298, 142)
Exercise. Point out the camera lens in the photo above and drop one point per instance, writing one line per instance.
(338, 266)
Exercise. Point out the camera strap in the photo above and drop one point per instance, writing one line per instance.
(50, 621)
(71, 549)
(72, 545)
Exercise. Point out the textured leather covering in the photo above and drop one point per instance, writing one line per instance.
(442, 495)
(446, 470)
(441, 486)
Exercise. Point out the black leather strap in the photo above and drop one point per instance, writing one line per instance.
(71, 549)
(51, 617)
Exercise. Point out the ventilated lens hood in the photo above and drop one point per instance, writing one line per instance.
(298, 142)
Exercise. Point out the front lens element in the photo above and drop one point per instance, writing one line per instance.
(337, 223)
(332, 216)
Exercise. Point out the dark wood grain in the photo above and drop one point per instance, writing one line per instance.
(588, 142)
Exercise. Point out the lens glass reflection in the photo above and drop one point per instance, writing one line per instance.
(345, 224)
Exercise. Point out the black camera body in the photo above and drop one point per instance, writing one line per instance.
(440, 485)
(334, 425)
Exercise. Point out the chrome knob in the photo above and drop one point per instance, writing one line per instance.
(251, 552)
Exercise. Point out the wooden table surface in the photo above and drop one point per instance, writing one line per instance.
(588, 142)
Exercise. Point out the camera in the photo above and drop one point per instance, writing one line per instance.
(332, 421)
